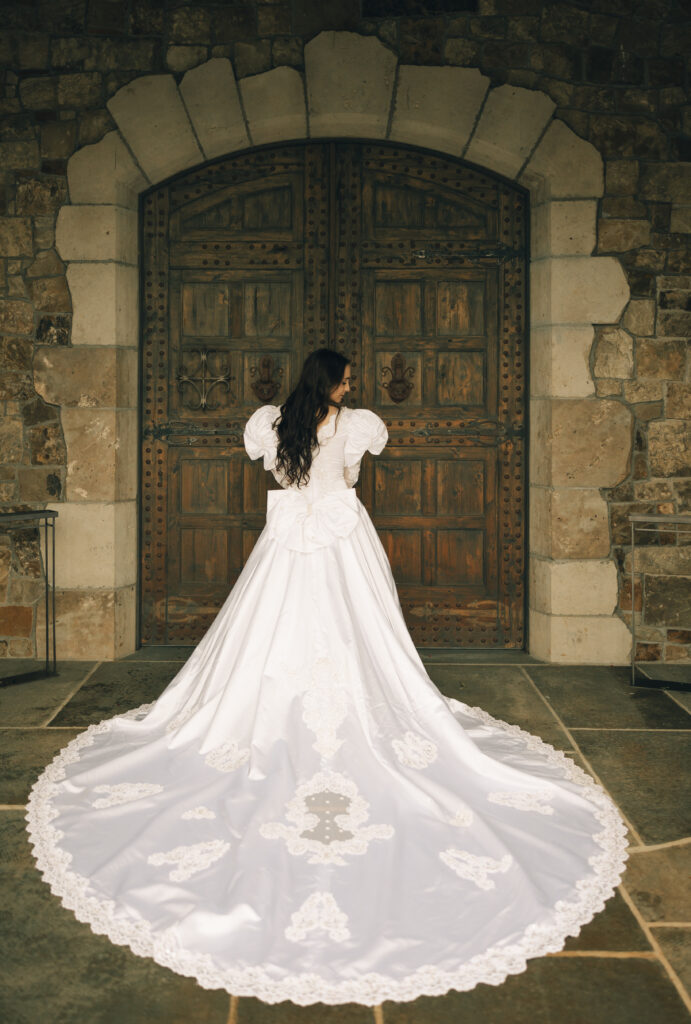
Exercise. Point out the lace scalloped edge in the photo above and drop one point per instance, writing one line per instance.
(491, 967)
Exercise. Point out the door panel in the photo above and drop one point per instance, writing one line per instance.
(410, 264)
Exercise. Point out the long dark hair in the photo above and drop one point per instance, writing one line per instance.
(303, 409)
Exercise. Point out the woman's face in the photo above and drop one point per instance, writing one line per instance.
(336, 394)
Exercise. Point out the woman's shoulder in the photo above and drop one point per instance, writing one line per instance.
(260, 436)
(264, 415)
(362, 418)
(359, 416)
(261, 422)
(366, 431)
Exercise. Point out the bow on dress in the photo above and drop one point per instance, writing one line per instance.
(300, 521)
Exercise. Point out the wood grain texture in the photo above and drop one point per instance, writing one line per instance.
(413, 266)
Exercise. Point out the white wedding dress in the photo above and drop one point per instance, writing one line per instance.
(302, 814)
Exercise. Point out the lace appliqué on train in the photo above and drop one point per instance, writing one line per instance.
(462, 818)
(327, 816)
(190, 860)
(125, 793)
(227, 757)
(319, 911)
(414, 751)
(325, 706)
(198, 813)
(474, 868)
(180, 719)
(526, 801)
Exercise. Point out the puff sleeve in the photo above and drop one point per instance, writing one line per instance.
(366, 433)
(260, 437)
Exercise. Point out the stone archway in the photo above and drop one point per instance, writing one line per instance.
(352, 87)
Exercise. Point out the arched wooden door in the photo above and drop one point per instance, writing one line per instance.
(411, 264)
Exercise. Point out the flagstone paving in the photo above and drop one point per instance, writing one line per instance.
(630, 965)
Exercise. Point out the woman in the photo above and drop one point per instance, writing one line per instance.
(302, 815)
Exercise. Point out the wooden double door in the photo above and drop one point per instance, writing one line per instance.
(410, 264)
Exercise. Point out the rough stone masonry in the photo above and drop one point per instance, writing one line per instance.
(614, 72)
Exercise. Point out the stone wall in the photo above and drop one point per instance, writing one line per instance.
(68, 389)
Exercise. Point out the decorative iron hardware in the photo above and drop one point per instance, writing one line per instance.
(399, 387)
(266, 387)
(496, 252)
(344, 261)
(178, 432)
(203, 382)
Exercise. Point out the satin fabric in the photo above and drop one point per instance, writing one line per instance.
(302, 814)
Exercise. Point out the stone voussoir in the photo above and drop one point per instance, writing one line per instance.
(437, 107)
(274, 103)
(105, 173)
(153, 120)
(511, 122)
(211, 97)
(349, 84)
(564, 166)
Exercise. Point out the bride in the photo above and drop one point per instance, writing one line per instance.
(302, 814)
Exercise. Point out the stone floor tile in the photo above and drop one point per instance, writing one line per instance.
(252, 1011)
(16, 666)
(597, 696)
(56, 969)
(645, 773)
(23, 755)
(504, 692)
(171, 653)
(34, 702)
(659, 882)
(115, 687)
(570, 990)
(676, 945)
(682, 697)
(679, 673)
(54, 961)
(614, 929)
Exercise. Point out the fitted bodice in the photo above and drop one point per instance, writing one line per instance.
(342, 441)
(328, 471)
